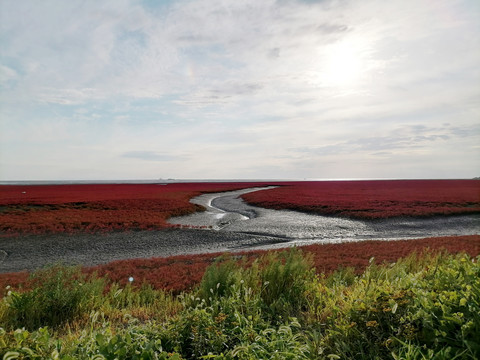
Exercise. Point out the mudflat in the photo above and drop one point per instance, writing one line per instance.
(232, 225)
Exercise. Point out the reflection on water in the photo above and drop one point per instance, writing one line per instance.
(227, 212)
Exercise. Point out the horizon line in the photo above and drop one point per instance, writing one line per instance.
(173, 180)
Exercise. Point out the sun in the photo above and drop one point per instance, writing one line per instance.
(344, 64)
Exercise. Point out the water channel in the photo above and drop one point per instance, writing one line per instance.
(227, 212)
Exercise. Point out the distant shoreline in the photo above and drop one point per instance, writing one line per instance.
(174, 181)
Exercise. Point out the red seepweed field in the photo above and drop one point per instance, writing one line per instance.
(374, 199)
(71, 208)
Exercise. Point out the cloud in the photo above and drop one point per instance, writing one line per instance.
(277, 85)
(7, 74)
(399, 140)
(124, 50)
(329, 28)
(225, 93)
(152, 156)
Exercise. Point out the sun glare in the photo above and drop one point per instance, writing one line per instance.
(343, 66)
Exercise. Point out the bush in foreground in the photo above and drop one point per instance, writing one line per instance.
(422, 307)
(59, 295)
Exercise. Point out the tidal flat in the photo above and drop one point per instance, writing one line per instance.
(228, 224)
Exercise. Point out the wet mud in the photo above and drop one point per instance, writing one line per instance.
(227, 212)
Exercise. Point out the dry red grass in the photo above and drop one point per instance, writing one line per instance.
(374, 199)
(180, 273)
(68, 208)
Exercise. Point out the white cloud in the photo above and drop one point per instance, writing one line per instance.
(7, 74)
(151, 156)
(240, 84)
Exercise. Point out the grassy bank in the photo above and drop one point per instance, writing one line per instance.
(424, 306)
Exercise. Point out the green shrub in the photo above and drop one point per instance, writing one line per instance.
(129, 297)
(446, 306)
(343, 276)
(59, 294)
(422, 307)
(134, 343)
(285, 279)
(413, 351)
(218, 278)
(283, 343)
(233, 327)
(22, 344)
(216, 326)
(235, 304)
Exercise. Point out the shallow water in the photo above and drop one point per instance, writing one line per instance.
(227, 212)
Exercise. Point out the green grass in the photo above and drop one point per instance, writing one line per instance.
(424, 306)
(60, 294)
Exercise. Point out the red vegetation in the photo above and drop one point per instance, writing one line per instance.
(180, 273)
(374, 199)
(70, 208)
(329, 257)
(67, 208)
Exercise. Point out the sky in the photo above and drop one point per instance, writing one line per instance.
(228, 89)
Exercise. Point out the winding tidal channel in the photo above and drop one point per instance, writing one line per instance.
(227, 212)
(229, 225)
